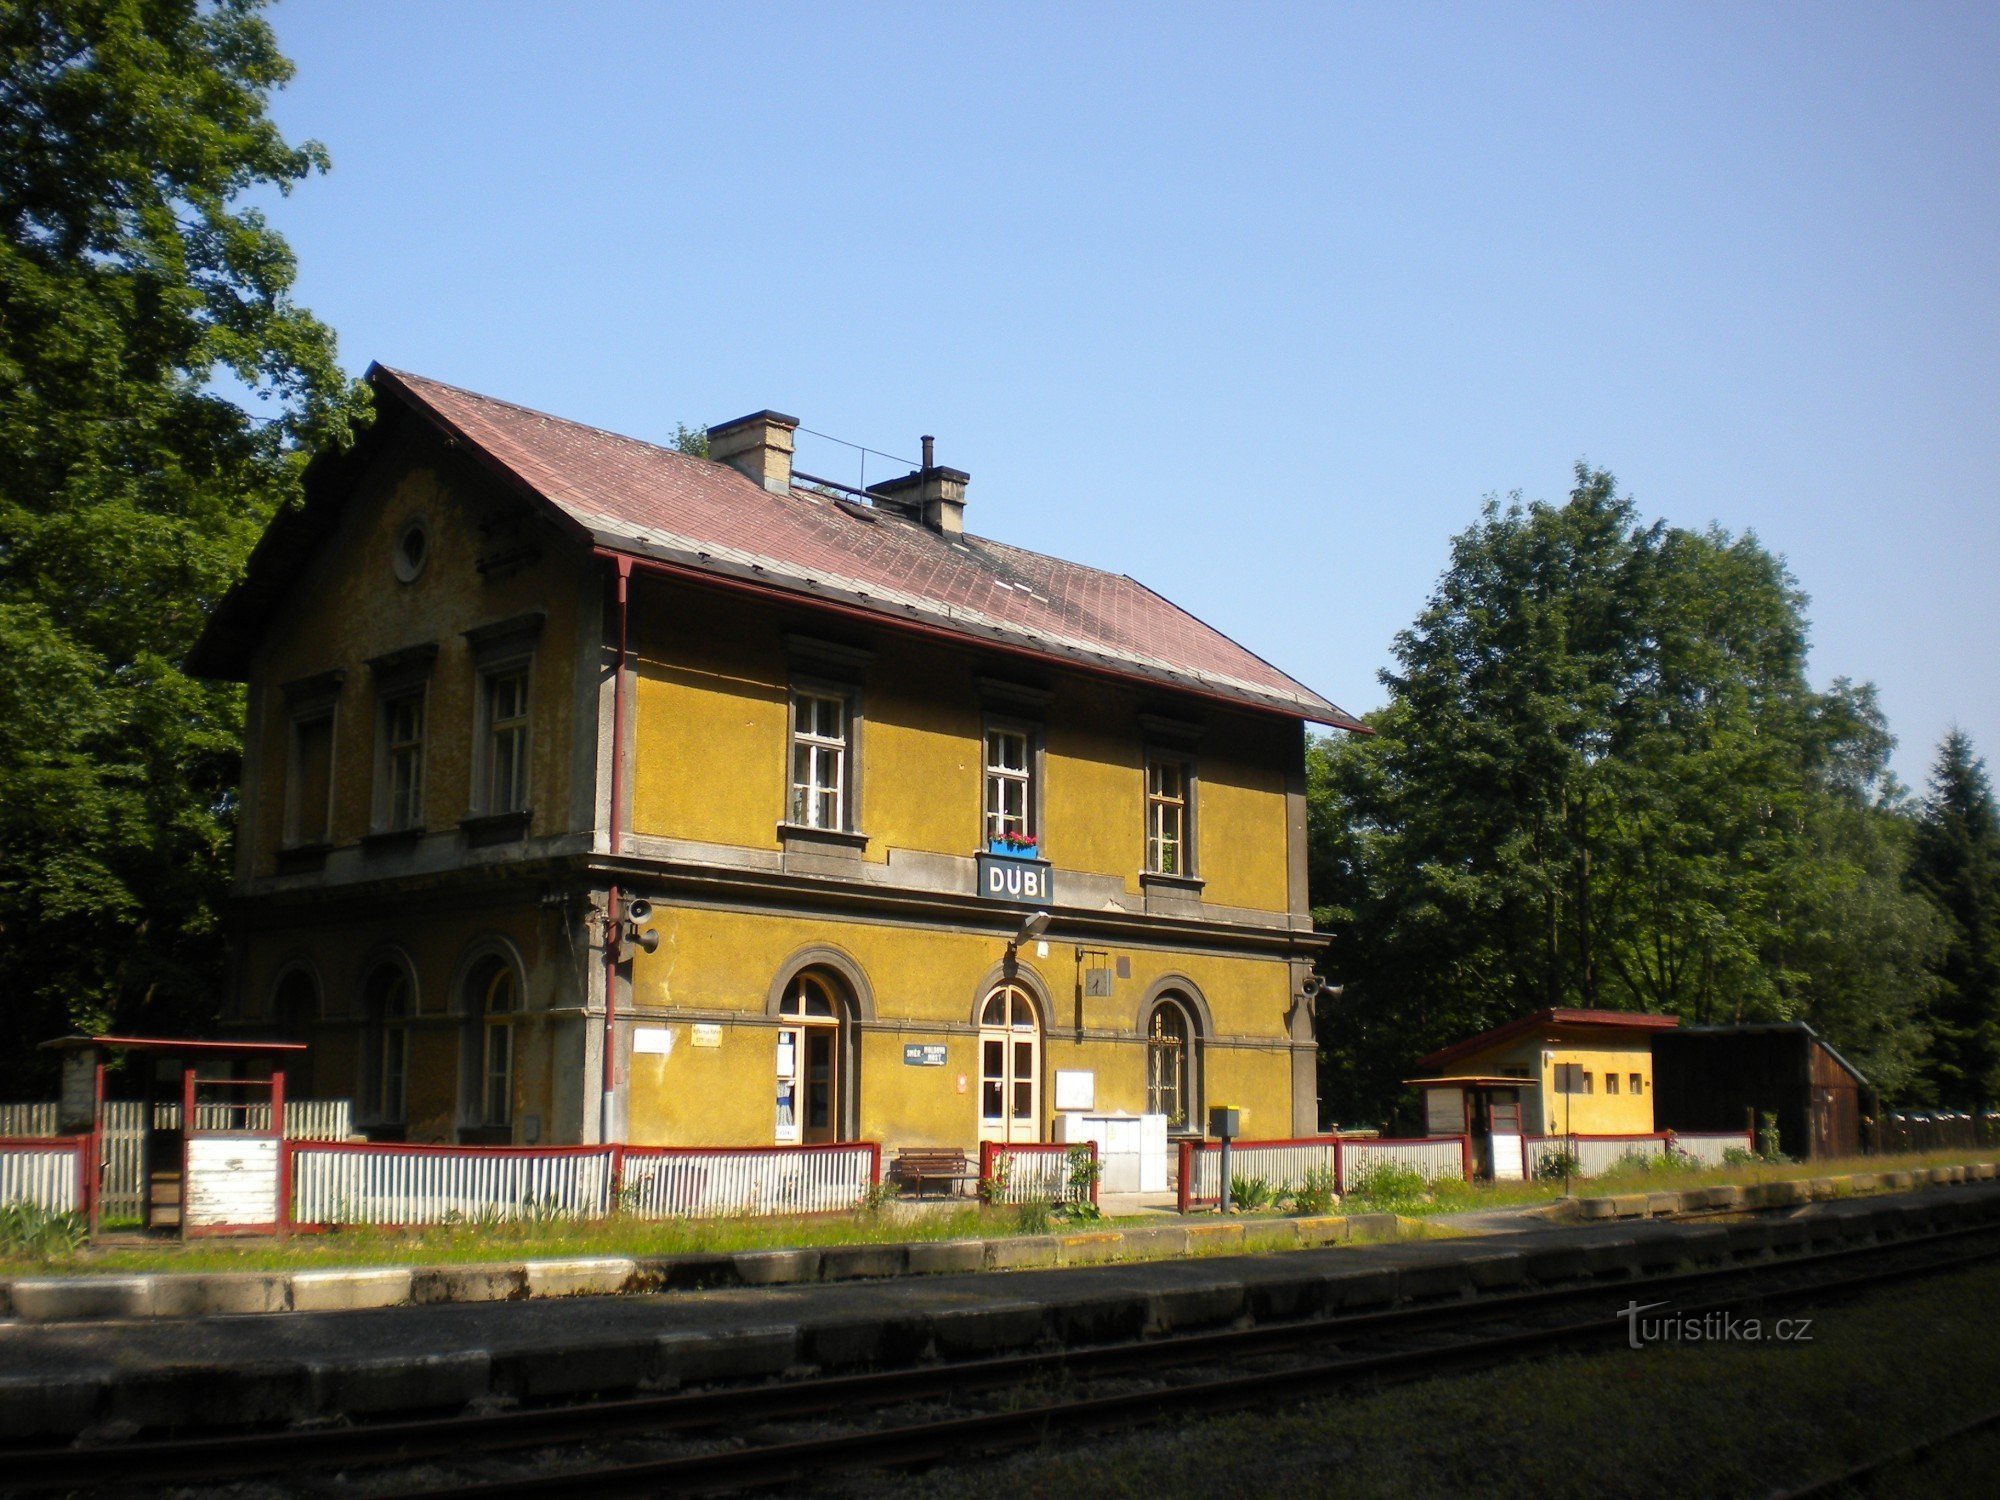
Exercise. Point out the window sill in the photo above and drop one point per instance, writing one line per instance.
(1159, 880)
(496, 828)
(301, 857)
(392, 838)
(797, 838)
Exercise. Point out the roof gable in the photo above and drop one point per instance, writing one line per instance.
(1609, 1020)
(626, 496)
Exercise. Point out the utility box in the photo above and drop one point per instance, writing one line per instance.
(1225, 1122)
(1131, 1149)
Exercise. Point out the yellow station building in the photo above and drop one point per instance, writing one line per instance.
(593, 790)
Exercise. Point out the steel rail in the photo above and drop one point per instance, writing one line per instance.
(240, 1454)
(954, 1437)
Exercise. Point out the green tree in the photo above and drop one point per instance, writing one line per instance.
(1957, 868)
(1603, 780)
(137, 292)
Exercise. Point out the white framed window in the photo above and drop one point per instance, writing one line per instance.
(1010, 786)
(386, 1006)
(505, 711)
(498, 1002)
(402, 718)
(820, 760)
(1170, 1064)
(1169, 847)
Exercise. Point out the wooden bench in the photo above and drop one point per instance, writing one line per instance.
(918, 1165)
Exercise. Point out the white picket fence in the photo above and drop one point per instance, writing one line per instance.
(1598, 1154)
(27, 1119)
(46, 1175)
(670, 1184)
(1710, 1149)
(1032, 1174)
(1282, 1165)
(122, 1173)
(403, 1185)
(360, 1184)
(1433, 1157)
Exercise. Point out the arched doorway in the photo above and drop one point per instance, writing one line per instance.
(812, 1060)
(1173, 1064)
(1010, 1066)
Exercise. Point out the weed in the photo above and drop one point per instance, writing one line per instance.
(1316, 1193)
(1031, 1217)
(31, 1231)
(1248, 1194)
(1389, 1185)
(1559, 1163)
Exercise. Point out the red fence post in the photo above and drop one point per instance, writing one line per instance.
(874, 1163)
(1465, 1156)
(1339, 1167)
(1184, 1189)
(985, 1168)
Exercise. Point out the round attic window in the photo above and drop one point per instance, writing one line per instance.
(413, 550)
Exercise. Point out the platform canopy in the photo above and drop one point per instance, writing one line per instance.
(177, 1046)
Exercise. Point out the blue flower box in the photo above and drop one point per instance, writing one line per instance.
(1011, 851)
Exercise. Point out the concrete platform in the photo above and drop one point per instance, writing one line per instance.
(60, 1379)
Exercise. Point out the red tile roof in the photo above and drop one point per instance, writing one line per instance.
(638, 498)
(1617, 1020)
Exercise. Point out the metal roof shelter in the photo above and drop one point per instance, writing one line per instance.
(188, 1104)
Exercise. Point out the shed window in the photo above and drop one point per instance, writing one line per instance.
(1638, 1083)
(1610, 1083)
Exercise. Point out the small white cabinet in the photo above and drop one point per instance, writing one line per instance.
(1132, 1149)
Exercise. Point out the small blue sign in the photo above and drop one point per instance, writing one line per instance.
(1024, 882)
(923, 1054)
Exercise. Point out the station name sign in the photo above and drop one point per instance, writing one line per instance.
(1025, 882)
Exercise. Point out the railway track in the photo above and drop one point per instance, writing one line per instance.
(741, 1438)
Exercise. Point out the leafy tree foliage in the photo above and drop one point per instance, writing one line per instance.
(136, 287)
(1603, 780)
(1957, 867)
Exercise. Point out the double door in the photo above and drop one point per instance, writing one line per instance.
(1010, 1067)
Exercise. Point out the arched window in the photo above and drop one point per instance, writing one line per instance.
(1010, 1066)
(386, 1004)
(295, 1006)
(498, 1000)
(814, 1042)
(1172, 1063)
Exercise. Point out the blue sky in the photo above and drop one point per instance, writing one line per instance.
(1254, 303)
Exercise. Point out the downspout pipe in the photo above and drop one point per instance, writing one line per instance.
(607, 1125)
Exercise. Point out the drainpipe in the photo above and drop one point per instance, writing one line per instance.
(608, 1107)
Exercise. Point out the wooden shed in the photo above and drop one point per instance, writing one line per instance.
(1713, 1077)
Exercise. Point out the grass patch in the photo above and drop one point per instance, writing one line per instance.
(1691, 1420)
(1453, 1196)
(531, 1239)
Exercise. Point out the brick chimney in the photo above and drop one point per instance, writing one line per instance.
(932, 495)
(759, 445)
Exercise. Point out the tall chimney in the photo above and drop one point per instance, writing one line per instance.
(932, 495)
(759, 445)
